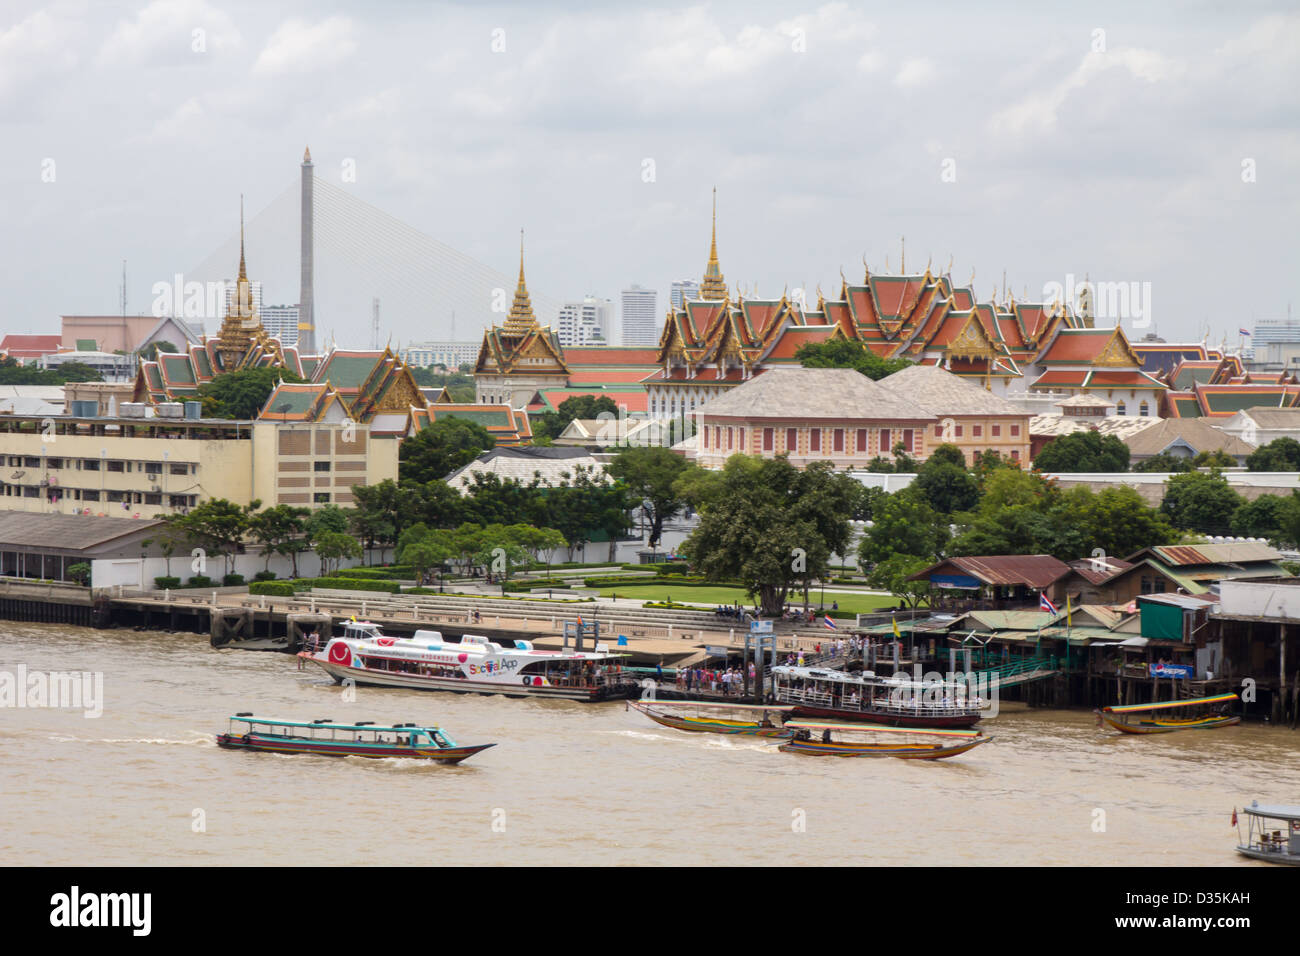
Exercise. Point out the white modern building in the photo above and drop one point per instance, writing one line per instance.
(585, 323)
(450, 355)
(281, 322)
(684, 290)
(640, 317)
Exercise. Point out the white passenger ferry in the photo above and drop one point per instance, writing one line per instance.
(472, 665)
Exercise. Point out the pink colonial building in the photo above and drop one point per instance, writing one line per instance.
(811, 414)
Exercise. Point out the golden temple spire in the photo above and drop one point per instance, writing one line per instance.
(243, 272)
(521, 320)
(902, 255)
(714, 285)
(306, 155)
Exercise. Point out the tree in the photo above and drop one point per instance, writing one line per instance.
(333, 546)
(218, 527)
(551, 424)
(1261, 518)
(904, 523)
(946, 484)
(440, 448)
(848, 353)
(150, 352)
(501, 551)
(280, 530)
(1083, 451)
(650, 474)
(1164, 462)
(242, 394)
(425, 551)
(892, 575)
(1202, 502)
(1281, 454)
(771, 526)
(382, 512)
(13, 372)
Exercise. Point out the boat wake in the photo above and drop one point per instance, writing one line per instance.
(204, 740)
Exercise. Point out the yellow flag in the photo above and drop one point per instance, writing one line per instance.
(1067, 610)
(896, 634)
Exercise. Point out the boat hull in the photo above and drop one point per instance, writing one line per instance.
(266, 743)
(1270, 856)
(1165, 726)
(889, 718)
(361, 676)
(715, 726)
(904, 751)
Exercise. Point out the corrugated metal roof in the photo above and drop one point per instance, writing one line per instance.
(60, 532)
(1096, 570)
(1185, 554)
(1032, 570)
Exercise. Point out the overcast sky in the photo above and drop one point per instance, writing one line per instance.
(1153, 145)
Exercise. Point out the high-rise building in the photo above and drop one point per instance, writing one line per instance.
(684, 290)
(640, 325)
(585, 323)
(281, 322)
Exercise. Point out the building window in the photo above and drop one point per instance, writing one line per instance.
(792, 440)
(1015, 431)
(907, 441)
(321, 497)
(1015, 454)
(1120, 409)
(89, 495)
(938, 431)
(731, 438)
(1143, 412)
(115, 466)
(769, 439)
(704, 438)
(90, 464)
(862, 441)
(741, 441)
(885, 445)
(179, 470)
(977, 431)
(996, 430)
(322, 466)
(838, 439)
(814, 439)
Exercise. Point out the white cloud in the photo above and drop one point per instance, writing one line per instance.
(1039, 112)
(298, 46)
(915, 72)
(168, 30)
(32, 50)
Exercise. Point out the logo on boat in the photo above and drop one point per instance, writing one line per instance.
(340, 653)
(493, 667)
(386, 641)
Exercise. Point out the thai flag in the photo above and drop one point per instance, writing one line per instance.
(1244, 331)
(829, 623)
(1045, 605)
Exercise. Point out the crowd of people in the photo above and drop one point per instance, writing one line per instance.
(729, 682)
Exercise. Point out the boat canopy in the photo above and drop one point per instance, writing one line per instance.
(325, 725)
(1166, 705)
(877, 728)
(1272, 811)
(841, 677)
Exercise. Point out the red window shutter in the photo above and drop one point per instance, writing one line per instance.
(885, 444)
(839, 439)
(792, 440)
(815, 439)
(769, 440)
(862, 441)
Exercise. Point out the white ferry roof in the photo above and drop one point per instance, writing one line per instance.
(894, 680)
(359, 728)
(473, 644)
(1276, 811)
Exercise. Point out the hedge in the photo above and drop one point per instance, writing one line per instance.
(264, 576)
(275, 588)
(346, 584)
(199, 581)
(164, 583)
(232, 580)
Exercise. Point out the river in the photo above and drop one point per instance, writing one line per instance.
(144, 783)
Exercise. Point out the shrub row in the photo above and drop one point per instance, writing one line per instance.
(274, 588)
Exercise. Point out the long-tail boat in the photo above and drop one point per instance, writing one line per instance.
(325, 738)
(1113, 716)
(753, 720)
(957, 741)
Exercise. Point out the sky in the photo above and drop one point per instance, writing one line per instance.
(1155, 145)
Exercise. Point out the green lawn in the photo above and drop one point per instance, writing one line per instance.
(852, 603)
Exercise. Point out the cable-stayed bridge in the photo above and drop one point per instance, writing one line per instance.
(427, 289)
